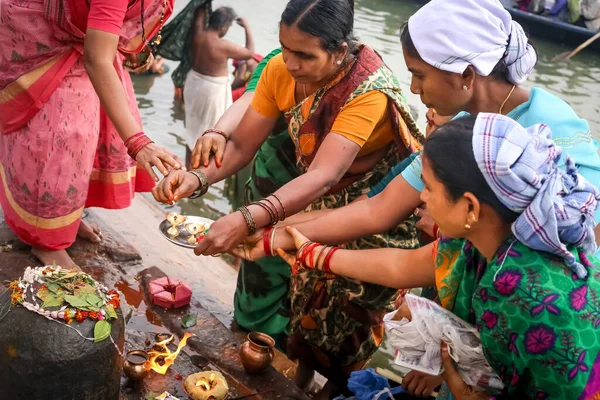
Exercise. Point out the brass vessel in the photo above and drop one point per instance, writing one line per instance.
(136, 365)
(257, 352)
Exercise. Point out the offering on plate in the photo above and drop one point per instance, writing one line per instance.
(206, 385)
(194, 229)
(175, 220)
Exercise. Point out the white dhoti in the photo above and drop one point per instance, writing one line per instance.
(206, 99)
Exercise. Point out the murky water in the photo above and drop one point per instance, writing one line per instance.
(377, 23)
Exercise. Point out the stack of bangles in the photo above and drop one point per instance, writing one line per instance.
(217, 131)
(272, 204)
(136, 143)
(315, 256)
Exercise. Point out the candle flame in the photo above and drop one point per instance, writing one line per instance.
(168, 356)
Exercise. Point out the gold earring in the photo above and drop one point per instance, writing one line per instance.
(468, 227)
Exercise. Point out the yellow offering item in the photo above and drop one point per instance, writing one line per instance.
(209, 385)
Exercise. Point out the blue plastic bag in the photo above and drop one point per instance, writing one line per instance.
(368, 385)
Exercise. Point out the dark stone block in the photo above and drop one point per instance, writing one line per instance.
(41, 359)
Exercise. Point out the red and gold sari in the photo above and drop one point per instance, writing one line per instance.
(59, 152)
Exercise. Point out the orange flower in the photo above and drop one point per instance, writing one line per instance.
(79, 316)
(16, 297)
(93, 315)
(113, 293)
(67, 316)
(14, 285)
(115, 302)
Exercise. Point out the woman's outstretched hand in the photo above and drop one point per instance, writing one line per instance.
(252, 248)
(177, 185)
(225, 234)
(152, 155)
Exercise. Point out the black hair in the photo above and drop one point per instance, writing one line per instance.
(449, 152)
(330, 20)
(221, 17)
(499, 72)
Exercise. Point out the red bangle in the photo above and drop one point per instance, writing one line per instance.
(130, 138)
(267, 241)
(217, 131)
(134, 148)
(436, 231)
(326, 266)
(308, 250)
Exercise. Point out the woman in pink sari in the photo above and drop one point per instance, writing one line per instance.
(70, 130)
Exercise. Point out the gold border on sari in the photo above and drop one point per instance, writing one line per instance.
(34, 220)
(25, 81)
(113, 177)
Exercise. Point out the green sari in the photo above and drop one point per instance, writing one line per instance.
(539, 324)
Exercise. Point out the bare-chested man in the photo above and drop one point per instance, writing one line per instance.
(207, 91)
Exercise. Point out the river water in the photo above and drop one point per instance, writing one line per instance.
(377, 23)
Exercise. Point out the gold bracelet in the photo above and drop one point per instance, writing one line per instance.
(249, 219)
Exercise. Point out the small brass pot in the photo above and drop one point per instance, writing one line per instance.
(136, 365)
(257, 352)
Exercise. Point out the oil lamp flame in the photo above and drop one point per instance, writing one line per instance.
(202, 382)
(168, 356)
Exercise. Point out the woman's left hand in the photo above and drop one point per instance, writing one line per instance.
(152, 155)
(425, 223)
(224, 235)
(459, 389)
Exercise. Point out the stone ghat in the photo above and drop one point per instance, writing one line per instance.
(116, 263)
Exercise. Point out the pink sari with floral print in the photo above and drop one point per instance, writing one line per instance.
(59, 152)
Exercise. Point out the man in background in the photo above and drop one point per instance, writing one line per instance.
(207, 90)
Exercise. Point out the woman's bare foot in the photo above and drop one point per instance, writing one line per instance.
(89, 232)
(60, 257)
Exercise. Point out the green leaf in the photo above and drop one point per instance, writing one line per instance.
(68, 275)
(93, 300)
(53, 287)
(87, 289)
(188, 320)
(111, 312)
(101, 331)
(52, 301)
(76, 301)
(43, 294)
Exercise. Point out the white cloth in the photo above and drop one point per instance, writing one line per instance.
(206, 99)
(452, 34)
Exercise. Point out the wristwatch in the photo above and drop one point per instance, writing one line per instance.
(202, 187)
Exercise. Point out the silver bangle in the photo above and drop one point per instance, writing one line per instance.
(203, 184)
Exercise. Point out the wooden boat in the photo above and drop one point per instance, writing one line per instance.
(544, 27)
(556, 31)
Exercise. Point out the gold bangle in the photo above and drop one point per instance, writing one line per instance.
(282, 206)
(249, 219)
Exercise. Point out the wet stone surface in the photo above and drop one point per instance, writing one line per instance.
(117, 264)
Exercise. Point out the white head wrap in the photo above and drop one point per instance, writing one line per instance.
(453, 34)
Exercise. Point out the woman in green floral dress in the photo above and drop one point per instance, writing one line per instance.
(516, 258)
